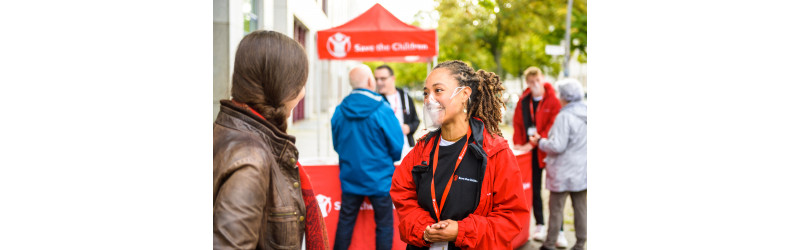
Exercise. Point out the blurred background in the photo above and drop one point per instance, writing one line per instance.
(502, 36)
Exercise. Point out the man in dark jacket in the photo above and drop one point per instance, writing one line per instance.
(368, 139)
(401, 104)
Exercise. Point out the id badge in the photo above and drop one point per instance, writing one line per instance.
(439, 246)
(531, 131)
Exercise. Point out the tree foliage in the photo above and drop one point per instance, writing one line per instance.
(409, 75)
(508, 36)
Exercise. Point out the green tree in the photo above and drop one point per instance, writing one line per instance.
(507, 36)
(409, 75)
(578, 29)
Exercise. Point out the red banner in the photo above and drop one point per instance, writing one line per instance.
(325, 181)
(359, 45)
(524, 162)
(376, 35)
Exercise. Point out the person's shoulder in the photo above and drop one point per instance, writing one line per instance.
(242, 149)
(424, 138)
(383, 110)
(337, 112)
(526, 94)
(494, 144)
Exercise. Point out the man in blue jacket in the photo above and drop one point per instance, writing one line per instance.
(368, 138)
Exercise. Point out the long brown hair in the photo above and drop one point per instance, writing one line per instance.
(485, 101)
(269, 69)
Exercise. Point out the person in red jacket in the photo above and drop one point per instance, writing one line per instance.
(460, 186)
(535, 113)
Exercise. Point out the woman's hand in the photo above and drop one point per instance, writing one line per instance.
(534, 139)
(442, 231)
(525, 147)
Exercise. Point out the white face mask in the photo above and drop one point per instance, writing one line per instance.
(434, 112)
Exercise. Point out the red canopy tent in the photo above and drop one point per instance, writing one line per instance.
(377, 35)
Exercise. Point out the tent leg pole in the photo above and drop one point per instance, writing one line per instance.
(428, 68)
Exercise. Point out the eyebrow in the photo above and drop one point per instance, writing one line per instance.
(435, 84)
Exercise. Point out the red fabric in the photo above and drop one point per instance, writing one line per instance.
(377, 35)
(524, 162)
(502, 208)
(316, 235)
(325, 180)
(545, 115)
(327, 188)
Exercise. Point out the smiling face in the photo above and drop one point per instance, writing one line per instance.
(441, 86)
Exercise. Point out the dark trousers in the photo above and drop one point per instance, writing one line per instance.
(536, 185)
(382, 207)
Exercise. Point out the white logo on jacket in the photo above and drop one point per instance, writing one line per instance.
(468, 179)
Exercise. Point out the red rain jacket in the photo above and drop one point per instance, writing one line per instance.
(502, 208)
(545, 114)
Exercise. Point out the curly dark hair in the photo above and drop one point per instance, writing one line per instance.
(485, 101)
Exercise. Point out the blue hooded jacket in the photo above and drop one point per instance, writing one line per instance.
(368, 138)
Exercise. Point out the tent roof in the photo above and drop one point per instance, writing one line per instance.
(377, 35)
(377, 18)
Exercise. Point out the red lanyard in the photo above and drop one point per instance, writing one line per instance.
(437, 210)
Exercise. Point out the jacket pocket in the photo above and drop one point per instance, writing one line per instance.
(282, 228)
(417, 172)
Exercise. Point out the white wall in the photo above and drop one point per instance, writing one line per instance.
(327, 83)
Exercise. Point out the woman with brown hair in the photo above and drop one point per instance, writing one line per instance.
(262, 196)
(460, 186)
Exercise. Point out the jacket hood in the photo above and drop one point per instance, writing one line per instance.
(492, 144)
(578, 109)
(361, 103)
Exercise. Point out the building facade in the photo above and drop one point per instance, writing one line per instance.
(300, 19)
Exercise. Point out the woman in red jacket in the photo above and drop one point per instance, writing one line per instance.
(460, 186)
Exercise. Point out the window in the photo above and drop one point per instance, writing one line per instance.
(249, 10)
(300, 31)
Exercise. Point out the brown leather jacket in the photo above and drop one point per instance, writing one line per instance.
(258, 202)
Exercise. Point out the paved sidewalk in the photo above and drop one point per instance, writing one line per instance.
(570, 230)
(313, 138)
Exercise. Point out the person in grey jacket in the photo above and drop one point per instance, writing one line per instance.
(566, 163)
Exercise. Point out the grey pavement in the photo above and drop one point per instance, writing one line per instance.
(313, 139)
(569, 228)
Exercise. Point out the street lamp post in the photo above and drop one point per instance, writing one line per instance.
(567, 37)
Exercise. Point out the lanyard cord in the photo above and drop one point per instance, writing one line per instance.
(531, 110)
(437, 208)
